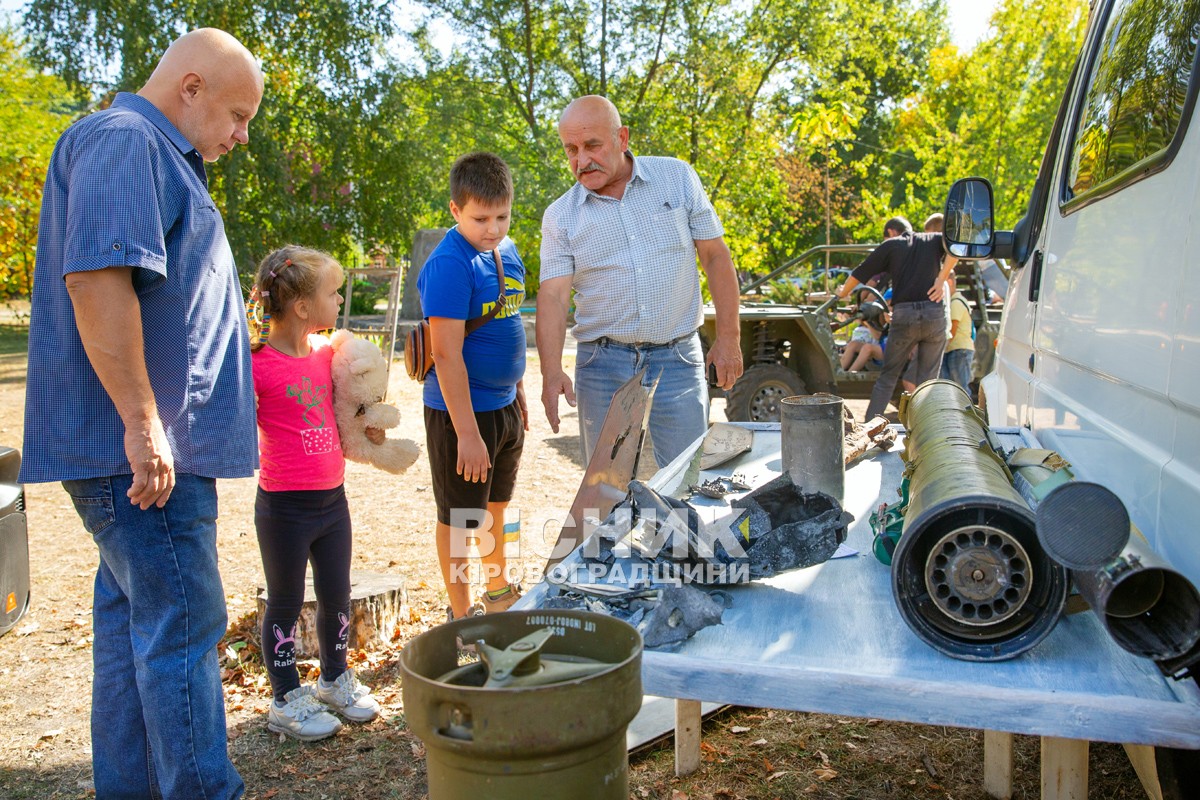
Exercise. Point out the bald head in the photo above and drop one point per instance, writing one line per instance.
(209, 86)
(595, 142)
(593, 110)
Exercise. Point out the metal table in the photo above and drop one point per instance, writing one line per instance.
(829, 639)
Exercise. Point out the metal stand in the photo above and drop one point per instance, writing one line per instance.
(387, 330)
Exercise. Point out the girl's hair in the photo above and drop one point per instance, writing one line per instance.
(284, 276)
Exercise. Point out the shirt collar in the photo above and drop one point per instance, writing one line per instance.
(141, 105)
(638, 175)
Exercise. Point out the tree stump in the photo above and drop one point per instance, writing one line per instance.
(378, 603)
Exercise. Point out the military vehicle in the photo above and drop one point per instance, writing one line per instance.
(794, 349)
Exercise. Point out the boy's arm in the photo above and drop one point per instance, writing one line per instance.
(446, 338)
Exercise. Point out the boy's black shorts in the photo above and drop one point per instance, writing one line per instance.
(503, 433)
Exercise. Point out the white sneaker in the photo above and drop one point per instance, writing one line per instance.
(348, 697)
(302, 716)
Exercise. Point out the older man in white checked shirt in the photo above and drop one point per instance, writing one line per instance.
(625, 237)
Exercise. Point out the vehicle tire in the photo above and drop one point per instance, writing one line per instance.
(757, 395)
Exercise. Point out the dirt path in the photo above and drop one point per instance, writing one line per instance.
(45, 663)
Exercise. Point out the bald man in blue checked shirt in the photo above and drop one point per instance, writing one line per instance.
(625, 237)
(139, 397)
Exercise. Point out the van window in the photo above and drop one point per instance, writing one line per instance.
(1136, 93)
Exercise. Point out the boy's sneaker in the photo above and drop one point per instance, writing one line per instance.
(348, 697)
(302, 716)
(509, 595)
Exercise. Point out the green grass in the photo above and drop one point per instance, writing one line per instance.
(14, 339)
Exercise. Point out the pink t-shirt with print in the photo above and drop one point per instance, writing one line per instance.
(298, 442)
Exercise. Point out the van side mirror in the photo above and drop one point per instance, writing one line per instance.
(969, 232)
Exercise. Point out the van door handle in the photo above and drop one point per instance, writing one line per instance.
(1031, 362)
(1035, 277)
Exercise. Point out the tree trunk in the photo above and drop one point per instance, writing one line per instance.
(378, 603)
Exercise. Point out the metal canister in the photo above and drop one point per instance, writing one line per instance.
(541, 712)
(812, 432)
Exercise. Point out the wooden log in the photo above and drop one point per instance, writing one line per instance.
(378, 603)
(861, 438)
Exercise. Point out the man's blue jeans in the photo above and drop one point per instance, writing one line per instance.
(921, 324)
(679, 414)
(956, 366)
(158, 715)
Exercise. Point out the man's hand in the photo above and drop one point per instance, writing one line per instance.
(152, 463)
(552, 387)
(726, 356)
(473, 461)
(935, 292)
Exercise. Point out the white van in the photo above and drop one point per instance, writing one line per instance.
(1099, 348)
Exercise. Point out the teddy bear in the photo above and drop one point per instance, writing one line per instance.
(360, 375)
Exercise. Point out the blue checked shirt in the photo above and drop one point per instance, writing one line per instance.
(126, 189)
(632, 261)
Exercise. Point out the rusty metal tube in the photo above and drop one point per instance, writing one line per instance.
(1147, 607)
(811, 433)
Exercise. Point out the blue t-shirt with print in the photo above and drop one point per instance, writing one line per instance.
(459, 282)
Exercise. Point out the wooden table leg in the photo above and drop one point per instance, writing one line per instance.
(687, 737)
(998, 764)
(1144, 762)
(1064, 769)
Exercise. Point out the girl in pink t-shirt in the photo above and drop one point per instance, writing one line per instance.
(300, 513)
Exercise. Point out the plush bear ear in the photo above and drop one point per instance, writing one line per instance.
(339, 338)
(361, 366)
(363, 359)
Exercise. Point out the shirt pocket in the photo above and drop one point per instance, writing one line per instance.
(669, 229)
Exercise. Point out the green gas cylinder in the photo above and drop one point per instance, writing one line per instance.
(524, 704)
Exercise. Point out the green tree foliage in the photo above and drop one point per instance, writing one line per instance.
(298, 179)
(796, 115)
(989, 112)
(35, 111)
(716, 84)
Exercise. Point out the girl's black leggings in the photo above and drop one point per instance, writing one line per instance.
(296, 529)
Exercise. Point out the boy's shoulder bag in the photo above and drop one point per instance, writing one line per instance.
(418, 352)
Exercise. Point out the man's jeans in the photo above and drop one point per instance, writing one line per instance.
(679, 414)
(920, 324)
(158, 715)
(956, 366)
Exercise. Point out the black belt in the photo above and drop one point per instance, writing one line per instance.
(605, 341)
(918, 303)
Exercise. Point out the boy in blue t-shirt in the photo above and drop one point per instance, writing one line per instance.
(475, 411)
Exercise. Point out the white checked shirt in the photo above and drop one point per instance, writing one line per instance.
(632, 261)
